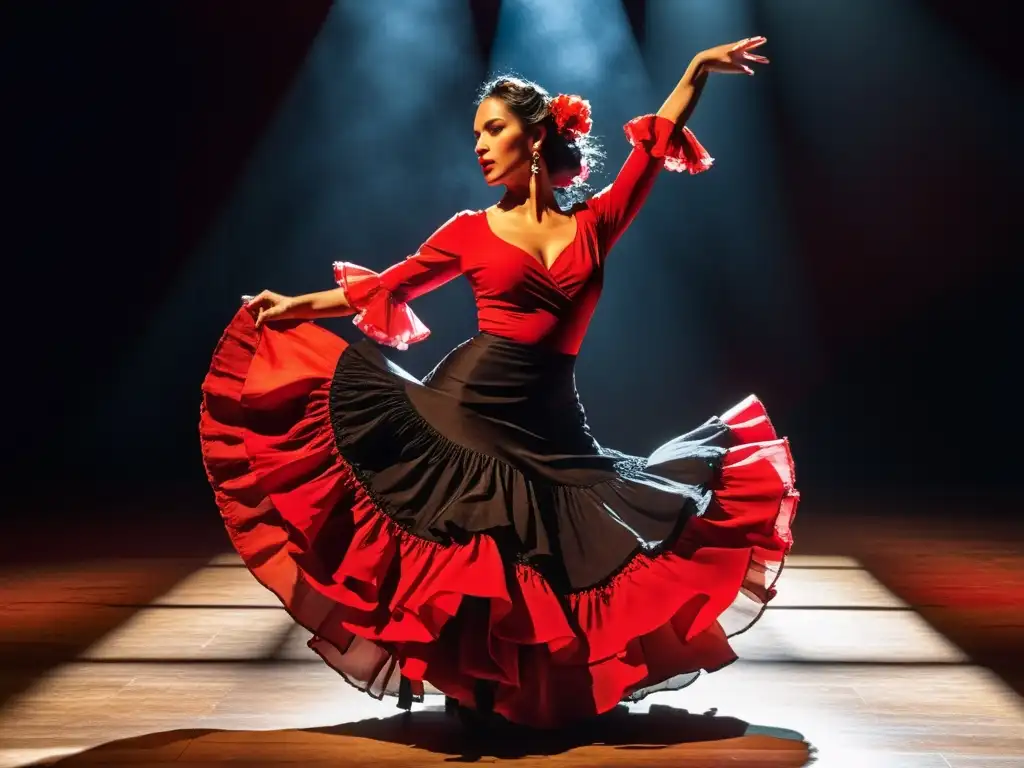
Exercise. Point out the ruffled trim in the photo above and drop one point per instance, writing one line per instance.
(383, 604)
(659, 137)
(378, 314)
(749, 421)
(402, 460)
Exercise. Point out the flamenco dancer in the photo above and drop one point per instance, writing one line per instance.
(466, 533)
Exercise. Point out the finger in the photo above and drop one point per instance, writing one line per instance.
(268, 313)
(737, 67)
(728, 68)
(755, 58)
(271, 312)
(749, 42)
(265, 297)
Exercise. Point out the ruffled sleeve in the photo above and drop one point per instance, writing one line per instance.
(658, 137)
(380, 301)
(656, 144)
(378, 314)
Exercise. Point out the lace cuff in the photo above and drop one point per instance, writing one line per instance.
(378, 314)
(659, 138)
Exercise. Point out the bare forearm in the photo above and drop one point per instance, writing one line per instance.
(310, 306)
(681, 102)
(730, 58)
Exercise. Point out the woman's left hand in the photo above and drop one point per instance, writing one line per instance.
(732, 58)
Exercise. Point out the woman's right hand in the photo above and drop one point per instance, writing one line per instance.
(268, 305)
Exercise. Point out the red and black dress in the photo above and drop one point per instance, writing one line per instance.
(466, 533)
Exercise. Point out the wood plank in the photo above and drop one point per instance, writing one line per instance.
(151, 662)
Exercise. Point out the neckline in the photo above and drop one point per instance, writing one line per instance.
(540, 264)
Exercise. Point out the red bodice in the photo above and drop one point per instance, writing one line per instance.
(518, 298)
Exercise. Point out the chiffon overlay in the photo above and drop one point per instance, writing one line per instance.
(466, 533)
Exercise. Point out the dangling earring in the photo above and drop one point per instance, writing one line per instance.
(535, 167)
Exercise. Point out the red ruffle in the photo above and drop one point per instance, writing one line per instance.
(379, 315)
(382, 604)
(659, 137)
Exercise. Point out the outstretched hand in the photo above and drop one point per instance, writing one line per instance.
(733, 58)
(267, 305)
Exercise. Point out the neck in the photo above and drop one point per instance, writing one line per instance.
(536, 196)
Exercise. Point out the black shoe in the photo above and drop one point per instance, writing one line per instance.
(451, 706)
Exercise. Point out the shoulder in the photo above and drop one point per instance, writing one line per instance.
(453, 236)
(457, 221)
(589, 207)
(465, 214)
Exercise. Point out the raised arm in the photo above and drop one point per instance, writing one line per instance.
(730, 59)
(663, 140)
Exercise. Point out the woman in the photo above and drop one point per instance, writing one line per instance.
(467, 533)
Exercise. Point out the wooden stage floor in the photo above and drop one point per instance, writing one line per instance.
(894, 642)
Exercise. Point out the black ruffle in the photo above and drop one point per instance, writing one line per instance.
(495, 442)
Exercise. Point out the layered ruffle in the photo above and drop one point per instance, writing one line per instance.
(378, 313)
(383, 603)
(552, 497)
(660, 137)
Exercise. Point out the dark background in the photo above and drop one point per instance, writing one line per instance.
(132, 123)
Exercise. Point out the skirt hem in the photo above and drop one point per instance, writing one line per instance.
(383, 604)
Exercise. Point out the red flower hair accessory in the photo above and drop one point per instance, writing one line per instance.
(571, 113)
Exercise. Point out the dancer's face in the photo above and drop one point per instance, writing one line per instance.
(503, 147)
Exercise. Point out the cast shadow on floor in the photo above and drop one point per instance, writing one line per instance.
(663, 736)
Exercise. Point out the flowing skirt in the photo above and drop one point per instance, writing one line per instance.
(467, 534)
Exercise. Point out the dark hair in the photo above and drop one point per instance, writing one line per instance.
(564, 157)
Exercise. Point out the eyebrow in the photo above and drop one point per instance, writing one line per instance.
(492, 120)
